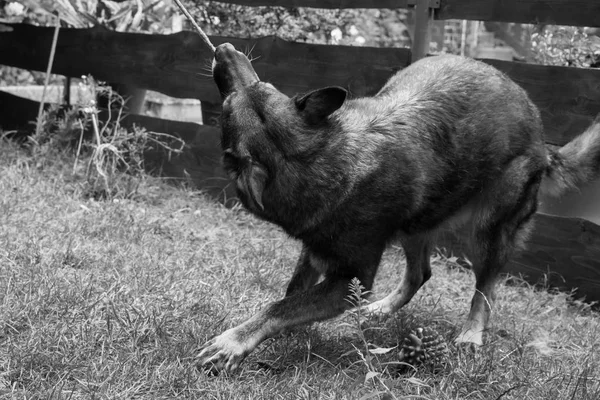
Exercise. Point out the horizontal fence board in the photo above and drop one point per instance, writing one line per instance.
(569, 98)
(298, 67)
(165, 63)
(566, 250)
(198, 165)
(178, 65)
(561, 252)
(331, 4)
(554, 12)
(17, 113)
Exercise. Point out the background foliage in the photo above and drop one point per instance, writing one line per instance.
(569, 46)
(368, 27)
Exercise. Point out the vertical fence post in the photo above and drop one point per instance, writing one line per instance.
(423, 17)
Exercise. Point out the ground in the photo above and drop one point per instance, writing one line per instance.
(112, 298)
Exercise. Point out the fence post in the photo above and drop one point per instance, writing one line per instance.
(423, 17)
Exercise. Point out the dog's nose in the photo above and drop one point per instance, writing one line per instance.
(227, 46)
(223, 48)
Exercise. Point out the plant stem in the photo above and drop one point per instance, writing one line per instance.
(195, 25)
(38, 125)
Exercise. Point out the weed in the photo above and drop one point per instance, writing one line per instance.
(113, 155)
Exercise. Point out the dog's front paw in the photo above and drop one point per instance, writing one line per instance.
(223, 353)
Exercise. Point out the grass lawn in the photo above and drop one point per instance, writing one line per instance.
(111, 299)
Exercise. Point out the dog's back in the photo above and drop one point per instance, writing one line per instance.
(436, 135)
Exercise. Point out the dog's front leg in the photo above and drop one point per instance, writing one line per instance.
(416, 273)
(305, 274)
(324, 300)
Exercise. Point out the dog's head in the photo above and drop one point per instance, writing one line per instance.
(262, 128)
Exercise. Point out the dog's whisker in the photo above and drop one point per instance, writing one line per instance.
(252, 49)
(207, 66)
(248, 52)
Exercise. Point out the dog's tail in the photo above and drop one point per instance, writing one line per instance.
(574, 164)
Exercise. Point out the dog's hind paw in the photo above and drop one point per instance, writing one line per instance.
(470, 339)
(223, 353)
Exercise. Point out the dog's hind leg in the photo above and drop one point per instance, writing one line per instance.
(307, 272)
(416, 273)
(500, 227)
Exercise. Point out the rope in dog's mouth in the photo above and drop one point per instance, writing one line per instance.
(195, 25)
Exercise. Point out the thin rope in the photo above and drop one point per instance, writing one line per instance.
(195, 25)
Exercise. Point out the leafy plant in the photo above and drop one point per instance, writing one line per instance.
(359, 27)
(152, 16)
(566, 46)
(369, 353)
(113, 156)
(369, 27)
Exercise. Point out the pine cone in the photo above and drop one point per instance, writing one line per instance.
(424, 346)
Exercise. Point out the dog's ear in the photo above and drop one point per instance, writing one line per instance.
(253, 180)
(319, 104)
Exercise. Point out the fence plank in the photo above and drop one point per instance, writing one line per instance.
(556, 12)
(177, 65)
(331, 4)
(569, 98)
(17, 113)
(168, 64)
(199, 165)
(298, 67)
(562, 252)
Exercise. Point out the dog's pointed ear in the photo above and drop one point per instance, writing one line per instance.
(253, 181)
(319, 104)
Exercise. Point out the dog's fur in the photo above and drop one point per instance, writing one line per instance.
(446, 142)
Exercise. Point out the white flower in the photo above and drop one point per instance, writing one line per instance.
(215, 20)
(360, 40)
(336, 35)
(13, 9)
(353, 31)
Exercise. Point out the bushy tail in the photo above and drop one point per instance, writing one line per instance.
(574, 164)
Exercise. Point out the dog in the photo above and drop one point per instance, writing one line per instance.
(447, 142)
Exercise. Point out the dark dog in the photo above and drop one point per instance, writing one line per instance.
(448, 141)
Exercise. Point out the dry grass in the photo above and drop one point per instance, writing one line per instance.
(111, 299)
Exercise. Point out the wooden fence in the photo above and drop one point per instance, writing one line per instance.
(564, 250)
